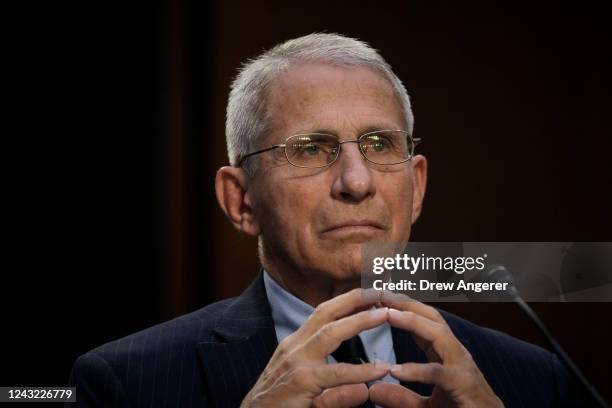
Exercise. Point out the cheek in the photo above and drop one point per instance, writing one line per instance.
(289, 210)
(399, 200)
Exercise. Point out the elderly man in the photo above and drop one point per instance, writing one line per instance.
(319, 136)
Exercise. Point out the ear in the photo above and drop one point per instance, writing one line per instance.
(231, 186)
(419, 182)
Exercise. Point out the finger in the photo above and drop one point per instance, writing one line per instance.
(438, 336)
(344, 396)
(329, 337)
(334, 375)
(407, 304)
(336, 308)
(329, 311)
(395, 396)
(428, 373)
(340, 306)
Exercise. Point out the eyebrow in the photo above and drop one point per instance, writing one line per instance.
(362, 131)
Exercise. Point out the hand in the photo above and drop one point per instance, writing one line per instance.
(456, 378)
(298, 375)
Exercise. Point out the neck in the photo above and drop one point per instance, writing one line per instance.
(311, 287)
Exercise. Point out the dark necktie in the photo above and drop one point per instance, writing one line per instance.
(352, 351)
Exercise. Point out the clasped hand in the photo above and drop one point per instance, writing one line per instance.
(298, 375)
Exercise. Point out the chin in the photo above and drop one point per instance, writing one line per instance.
(347, 267)
(339, 260)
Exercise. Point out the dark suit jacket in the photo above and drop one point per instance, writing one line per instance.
(213, 356)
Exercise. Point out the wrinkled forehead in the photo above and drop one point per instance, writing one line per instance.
(314, 96)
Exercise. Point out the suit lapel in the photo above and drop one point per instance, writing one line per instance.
(246, 340)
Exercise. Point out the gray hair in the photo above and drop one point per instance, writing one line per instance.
(247, 117)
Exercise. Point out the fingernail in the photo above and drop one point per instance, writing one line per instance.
(394, 312)
(396, 368)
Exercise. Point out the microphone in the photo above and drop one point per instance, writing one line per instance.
(500, 274)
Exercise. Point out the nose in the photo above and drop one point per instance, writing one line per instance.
(353, 178)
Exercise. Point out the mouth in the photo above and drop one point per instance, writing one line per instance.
(355, 226)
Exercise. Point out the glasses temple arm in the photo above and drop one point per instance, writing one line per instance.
(246, 156)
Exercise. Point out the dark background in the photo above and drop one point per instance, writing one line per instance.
(512, 102)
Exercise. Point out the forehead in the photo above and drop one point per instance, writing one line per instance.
(323, 97)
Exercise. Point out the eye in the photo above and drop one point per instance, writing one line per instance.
(311, 149)
(377, 143)
(380, 145)
(307, 148)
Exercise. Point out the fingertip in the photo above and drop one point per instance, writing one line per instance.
(380, 312)
(394, 313)
(395, 369)
(394, 395)
(382, 394)
(380, 365)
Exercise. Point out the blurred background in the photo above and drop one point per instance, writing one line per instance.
(512, 103)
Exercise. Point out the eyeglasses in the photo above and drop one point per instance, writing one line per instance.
(314, 150)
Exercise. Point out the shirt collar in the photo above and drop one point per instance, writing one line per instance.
(288, 312)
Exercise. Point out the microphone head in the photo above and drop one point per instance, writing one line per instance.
(497, 274)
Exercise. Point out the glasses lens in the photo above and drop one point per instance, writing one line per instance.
(386, 147)
(312, 150)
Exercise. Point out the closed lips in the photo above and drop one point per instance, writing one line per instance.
(356, 223)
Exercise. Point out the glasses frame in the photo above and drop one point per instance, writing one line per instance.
(414, 141)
